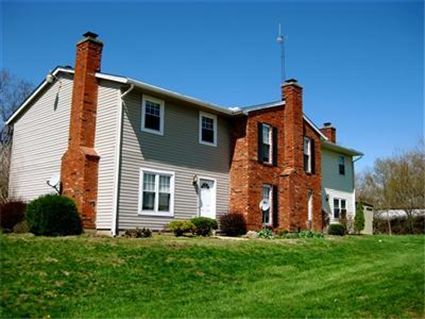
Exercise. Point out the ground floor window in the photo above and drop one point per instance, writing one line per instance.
(340, 208)
(267, 207)
(156, 192)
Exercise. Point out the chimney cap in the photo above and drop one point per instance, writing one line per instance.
(90, 34)
(291, 82)
(327, 124)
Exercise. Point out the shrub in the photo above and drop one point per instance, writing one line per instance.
(53, 215)
(309, 234)
(359, 219)
(21, 227)
(336, 229)
(138, 233)
(204, 225)
(233, 224)
(301, 234)
(179, 227)
(265, 233)
(11, 213)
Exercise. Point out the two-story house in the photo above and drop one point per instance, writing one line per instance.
(135, 155)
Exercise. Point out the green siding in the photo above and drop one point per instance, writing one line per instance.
(330, 173)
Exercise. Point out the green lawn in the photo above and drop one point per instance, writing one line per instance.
(359, 276)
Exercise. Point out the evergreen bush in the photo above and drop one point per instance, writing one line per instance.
(336, 229)
(359, 219)
(53, 215)
(204, 225)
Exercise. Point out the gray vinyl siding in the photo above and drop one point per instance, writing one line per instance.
(330, 173)
(335, 185)
(178, 151)
(39, 140)
(106, 144)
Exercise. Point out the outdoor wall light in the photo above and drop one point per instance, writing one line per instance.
(195, 179)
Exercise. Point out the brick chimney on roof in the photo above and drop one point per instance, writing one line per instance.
(79, 168)
(329, 131)
(292, 94)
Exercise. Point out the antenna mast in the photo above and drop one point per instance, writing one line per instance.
(280, 41)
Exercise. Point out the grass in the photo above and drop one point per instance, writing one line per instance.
(360, 276)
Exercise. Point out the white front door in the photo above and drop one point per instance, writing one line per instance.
(207, 190)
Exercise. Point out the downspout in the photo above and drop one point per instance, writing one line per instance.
(114, 229)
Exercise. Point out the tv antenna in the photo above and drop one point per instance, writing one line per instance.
(280, 40)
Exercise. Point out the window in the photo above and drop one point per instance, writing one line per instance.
(341, 165)
(267, 144)
(307, 155)
(207, 129)
(156, 193)
(152, 115)
(340, 209)
(267, 214)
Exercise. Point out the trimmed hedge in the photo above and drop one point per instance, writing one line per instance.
(233, 224)
(204, 225)
(53, 215)
(336, 229)
(179, 227)
(12, 213)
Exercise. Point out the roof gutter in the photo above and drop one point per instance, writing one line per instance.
(181, 97)
(338, 148)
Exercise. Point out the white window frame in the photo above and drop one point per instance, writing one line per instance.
(270, 142)
(308, 154)
(161, 114)
(339, 207)
(214, 118)
(270, 189)
(155, 211)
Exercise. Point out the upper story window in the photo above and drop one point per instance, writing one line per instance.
(308, 158)
(156, 193)
(207, 129)
(152, 115)
(341, 165)
(267, 144)
(340, 208)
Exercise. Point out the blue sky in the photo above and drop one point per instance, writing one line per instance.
(360, 63)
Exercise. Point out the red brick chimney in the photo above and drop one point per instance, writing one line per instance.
(329, 131)
(80, 162)
(296, 184)
(293, 129)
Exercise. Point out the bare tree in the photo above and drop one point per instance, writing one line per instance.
(13, 91)
(397, 182)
